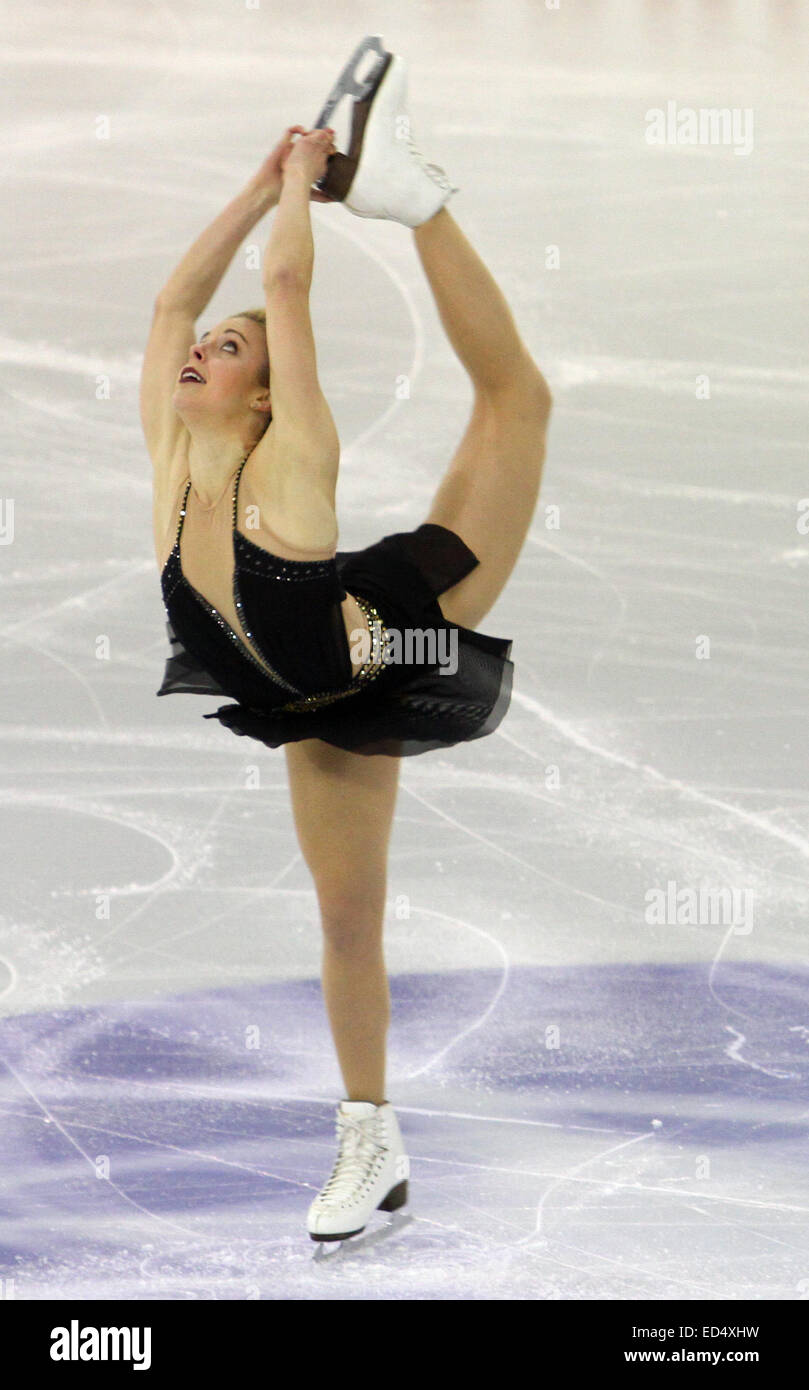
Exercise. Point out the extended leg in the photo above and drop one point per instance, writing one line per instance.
(490, 490)
(343, 806)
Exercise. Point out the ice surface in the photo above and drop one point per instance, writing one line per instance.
(541, 1023)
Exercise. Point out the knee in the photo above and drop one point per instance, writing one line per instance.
(352, 922)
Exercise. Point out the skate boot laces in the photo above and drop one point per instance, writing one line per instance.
(360, 1158)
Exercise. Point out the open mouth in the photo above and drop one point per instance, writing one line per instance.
(190, 374)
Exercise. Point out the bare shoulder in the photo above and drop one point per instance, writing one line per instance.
(293, 498)
(261, 475)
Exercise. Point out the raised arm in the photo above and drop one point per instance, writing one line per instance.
(187, 293)
(303, 427)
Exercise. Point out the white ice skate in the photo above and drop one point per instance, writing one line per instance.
(383, 174)
(370, 1174)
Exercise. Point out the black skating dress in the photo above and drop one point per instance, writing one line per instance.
(427, 684)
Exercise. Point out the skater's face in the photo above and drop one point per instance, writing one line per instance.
(231, 360)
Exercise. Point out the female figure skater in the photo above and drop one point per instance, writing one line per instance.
(262, 608)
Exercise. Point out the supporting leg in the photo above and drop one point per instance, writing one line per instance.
(343, 806)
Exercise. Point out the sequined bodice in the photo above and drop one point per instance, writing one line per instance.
(290, 613)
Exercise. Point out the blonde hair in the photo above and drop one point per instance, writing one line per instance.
(260, 317)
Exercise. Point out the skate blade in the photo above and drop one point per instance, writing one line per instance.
(337, 180)
(365, 1240)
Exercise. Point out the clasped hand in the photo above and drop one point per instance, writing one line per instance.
(310, 152)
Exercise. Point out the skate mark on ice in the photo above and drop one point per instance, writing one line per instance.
(566, 1177)
(718, 1219)
(710, 854)
(245, 896)
(66, 666)
(504, 1120)
(49, 1115)
(580, 740)
(207, 1155)
(13, 978)
(548, 1258)
(733, 1051)
(417, 360)
(605, 580)
(493, 1002)
(183, 870)
(508, 854)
